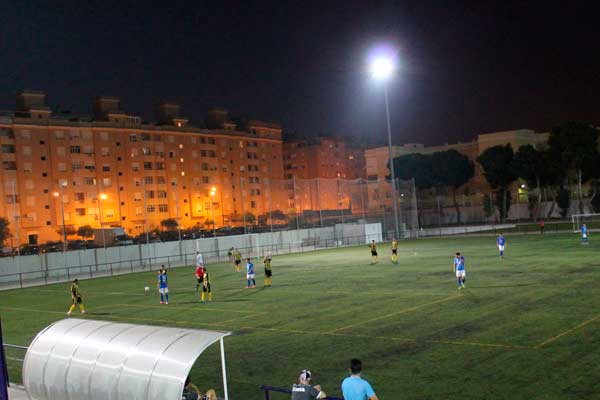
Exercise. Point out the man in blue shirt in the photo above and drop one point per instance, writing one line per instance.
(250, 274)
(356, 388)
(584, 234)
(459, 270)
(501, 242)
(163, 287)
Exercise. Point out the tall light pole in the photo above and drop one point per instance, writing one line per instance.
(61, 186)
(101, 198)
(382, 69)
(213, 192)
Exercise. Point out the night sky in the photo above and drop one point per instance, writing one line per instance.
(466, 67)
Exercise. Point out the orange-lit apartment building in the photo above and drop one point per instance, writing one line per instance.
(376, 160)
(320, 172)
(114, 170)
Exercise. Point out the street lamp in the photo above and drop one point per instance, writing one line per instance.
(213, 192)
(382, 68)
(61, 186)
(102, 197)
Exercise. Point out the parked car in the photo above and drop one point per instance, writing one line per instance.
(28, 249)
(52, 247)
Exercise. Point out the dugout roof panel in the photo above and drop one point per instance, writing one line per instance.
(83, 359)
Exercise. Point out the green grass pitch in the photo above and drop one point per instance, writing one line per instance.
(527, 327)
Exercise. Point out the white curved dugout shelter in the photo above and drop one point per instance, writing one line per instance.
(83, 359)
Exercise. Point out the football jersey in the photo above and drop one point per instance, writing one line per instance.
(162, 280)
(459, 263)
(501, 241)
(250, 268)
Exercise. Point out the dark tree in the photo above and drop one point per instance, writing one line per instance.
(69, 230)
(169, 224)
(85, 231)
(4, 231)
(498, 166)
(452, 170)
(563, 199)
(417, 167)
(250, 218)
(576, 146)
(538, 168)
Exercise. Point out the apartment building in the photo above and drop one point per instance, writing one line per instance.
(114, 170)
(377, 160)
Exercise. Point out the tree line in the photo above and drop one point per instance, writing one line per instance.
(560, 168)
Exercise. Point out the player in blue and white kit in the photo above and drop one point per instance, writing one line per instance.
(250, 274)
(459, 270)
(584, 234)
(163, 287)
(501, 243)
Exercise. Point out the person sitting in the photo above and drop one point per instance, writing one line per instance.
(303, 389)
(191, 392)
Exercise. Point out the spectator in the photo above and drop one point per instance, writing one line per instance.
(542, 226)
(191, 392)
(304, 391)
(356, 388)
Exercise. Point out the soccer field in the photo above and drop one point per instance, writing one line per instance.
(527, 327)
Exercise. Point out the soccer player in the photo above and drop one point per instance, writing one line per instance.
(459, 270)
(373, 248)
(268, 272)
(394, 250)
(237, 259)
(501, 243)
(584, 234)
(303, 389)
(206, 286)
(163, 287)
(199, 269)
(250, 274)
(76, 298)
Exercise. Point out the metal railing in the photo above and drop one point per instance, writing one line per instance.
(269, 389)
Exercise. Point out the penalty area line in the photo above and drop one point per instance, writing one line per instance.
(568, 331)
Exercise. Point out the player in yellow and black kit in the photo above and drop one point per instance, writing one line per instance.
(373, 248)
(394, 250)
(268, 272)
(76, 298)
(206, 286)
(237, 259)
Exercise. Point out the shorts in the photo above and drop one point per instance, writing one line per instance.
(206, 288)
(500, 248)
(584, 236)
(394, 251)
(374, 253)
(461, 273)
(268, 273)
(163, 290)
(77, 300)
(249, 276)
(237, 262)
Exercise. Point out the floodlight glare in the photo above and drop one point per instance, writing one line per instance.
(382, 68)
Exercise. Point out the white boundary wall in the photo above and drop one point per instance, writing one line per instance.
(59, 267)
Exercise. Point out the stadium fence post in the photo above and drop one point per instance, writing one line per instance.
(3, 370)
(21, 279)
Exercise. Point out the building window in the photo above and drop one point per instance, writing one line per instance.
(160, 180)
(25, 135)
(146, 137)
(147, 166)
(148, 180)
(135, 167)
(205, 179)
(211, 140)
(9, 165)
(162, 194)
(163, 208)
(76, 166)
(27, 167)
(204, 167)
(133, 137)
(7, 133)
(105, 151)
(80, 211)
(146, 151)
(149, 194)
(252, 204)
(62, 167)
(104, 136)
(151, 208)
(106, 168)
(106, 182)
(75, 149)
(159, 166)
(80, 197)
(10, 148)
(89, 181)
